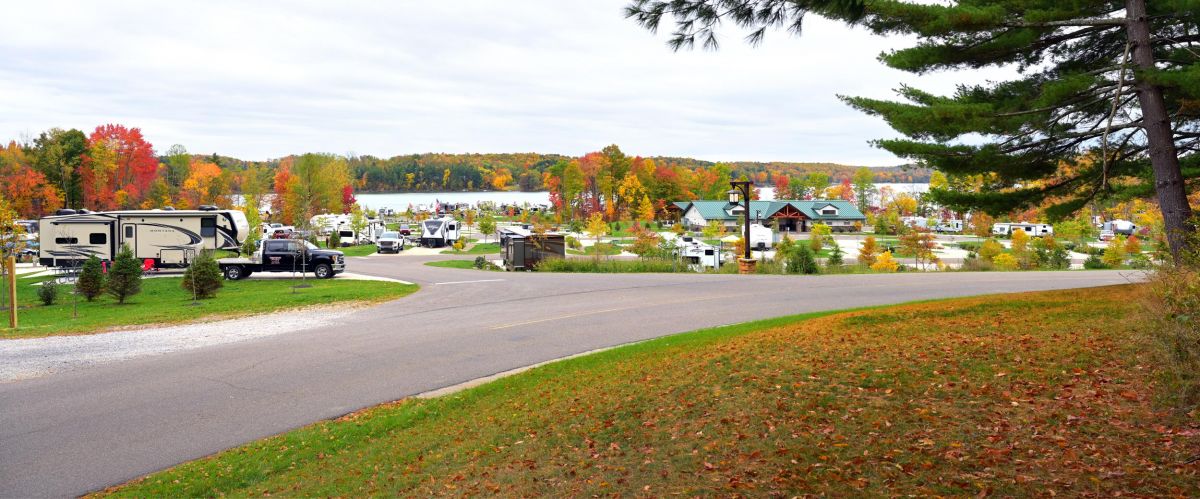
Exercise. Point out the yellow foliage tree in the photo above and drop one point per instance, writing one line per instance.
(1005, 261)
(596, 226)
(885, 263)
(868, 252)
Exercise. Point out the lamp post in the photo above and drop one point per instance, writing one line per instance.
(740, 194)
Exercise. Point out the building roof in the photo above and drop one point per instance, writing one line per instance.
(719, 210)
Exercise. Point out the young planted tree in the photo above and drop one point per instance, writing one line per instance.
(487, 226)
(820, 234)
(1103, 106)
(125, 277)
(868, 252)
(203, 277)
(90, 282)
(596, 226)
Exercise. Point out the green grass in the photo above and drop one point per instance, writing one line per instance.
(954, 398)
(360, 250)
(603, 249)
(452, 264)
(478, 249)
(604, 265)
(162, 300)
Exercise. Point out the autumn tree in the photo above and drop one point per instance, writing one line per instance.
(1113, 80)
(868, 252)
(118, 167)
(313, 186)
(27, 190)
(597, 227)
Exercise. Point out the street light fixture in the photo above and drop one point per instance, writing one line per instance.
(740, 194)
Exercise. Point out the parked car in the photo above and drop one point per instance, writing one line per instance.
(390, 242)
(405, 230)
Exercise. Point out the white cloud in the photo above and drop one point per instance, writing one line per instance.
(386, 78)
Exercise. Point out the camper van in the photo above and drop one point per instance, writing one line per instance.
(439, 232)
(1036, 230)
(171, 238)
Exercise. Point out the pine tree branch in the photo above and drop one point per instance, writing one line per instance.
(1100, 21)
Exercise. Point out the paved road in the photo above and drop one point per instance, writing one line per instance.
(78, 431)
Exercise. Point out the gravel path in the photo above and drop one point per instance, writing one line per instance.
(35, 357)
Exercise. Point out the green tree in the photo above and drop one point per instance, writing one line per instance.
(58, 154)
(315, 186)
(203, 276)
(864, 186)
(1101, 93)
(487, 226)
(125, 276)
(90, 282)
(800, 260)
(835, 257)
(358, 223)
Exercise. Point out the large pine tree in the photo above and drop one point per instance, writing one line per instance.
(1108, 92)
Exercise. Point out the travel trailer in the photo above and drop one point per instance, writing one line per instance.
(326, 224)
(439, 232)
(369, 235)
(949, 226)
(1124, 227)
(761, 237)
(1036, 230)
(171, 238)
(698, 254)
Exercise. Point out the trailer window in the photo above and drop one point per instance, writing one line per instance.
(128, 232)
(97, 238)
(208, 227)
(66, 240)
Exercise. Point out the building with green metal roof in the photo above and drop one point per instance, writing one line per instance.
(783, 215)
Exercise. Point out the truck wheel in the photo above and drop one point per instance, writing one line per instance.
(234, 272)
(323, 271)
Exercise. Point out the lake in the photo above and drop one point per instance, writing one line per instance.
(400, 200)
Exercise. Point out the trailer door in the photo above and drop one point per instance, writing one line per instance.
(129, 238)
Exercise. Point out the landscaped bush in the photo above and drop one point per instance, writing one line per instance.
(125, 277)
(573, 243)
(800, 260)
(335, 240)
(976, 265)
(203, 277)
(1006, 261)
(90, 283)
(48, 292)
(482, 263)
(1094, 262)
(885, 263)
(989, 249)
(970, 246)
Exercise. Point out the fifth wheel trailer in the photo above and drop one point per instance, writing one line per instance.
(171, 238)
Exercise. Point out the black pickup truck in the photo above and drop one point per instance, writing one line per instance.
(285, 255)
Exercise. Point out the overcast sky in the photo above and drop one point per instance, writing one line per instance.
(388, 78)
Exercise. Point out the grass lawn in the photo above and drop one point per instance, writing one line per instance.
(478, 249)
(162, 300)
(360, 250)
(962, 397)
(604, 249)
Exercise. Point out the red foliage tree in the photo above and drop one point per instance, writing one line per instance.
(348, 199)
(130, 169)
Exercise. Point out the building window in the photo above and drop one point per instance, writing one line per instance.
(97, 238)
(66, 240)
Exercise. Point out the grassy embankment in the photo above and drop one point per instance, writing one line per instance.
(964, 397)
(162, 301)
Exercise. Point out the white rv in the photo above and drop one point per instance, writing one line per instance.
(698, 254)
(949, 226)
(1036, 230)
(171, 238)
(761, 237)
(439, 232)
(326, 224)
(369, 235)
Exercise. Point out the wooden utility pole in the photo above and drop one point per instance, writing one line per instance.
(11, 265)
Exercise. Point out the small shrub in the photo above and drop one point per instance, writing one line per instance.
(1006, 261)
(48, 292)
(573, 243)
(335, 240)
(125, 278)
(835, 256)
(600, 265)
(885, 263)
(203, 277)
(990, 249)
(1114, 254)
(1172, 305)
(973, 264)
(800, 260)
(90, 283)
(1094, 262)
